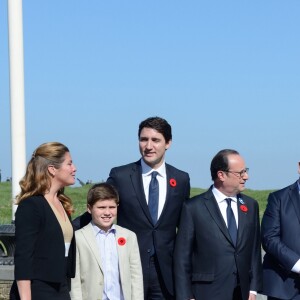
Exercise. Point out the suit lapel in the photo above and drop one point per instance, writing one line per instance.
(213, 208)
(169, 194)
(137, 184)
(242, 218)
(122, 247)
(89, 235)
(295, 198)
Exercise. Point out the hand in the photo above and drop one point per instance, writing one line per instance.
(252, 296)
(24, 287)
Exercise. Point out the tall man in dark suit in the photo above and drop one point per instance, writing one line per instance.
(151, 206)
(217, 254)
(281, 241)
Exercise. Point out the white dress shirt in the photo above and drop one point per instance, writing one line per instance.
(220, 197)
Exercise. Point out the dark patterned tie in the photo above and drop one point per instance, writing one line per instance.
(231, 223)
(153, 197)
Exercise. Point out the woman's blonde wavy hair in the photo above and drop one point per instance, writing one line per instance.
(37, 179)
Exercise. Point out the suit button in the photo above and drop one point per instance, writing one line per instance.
(148, 250)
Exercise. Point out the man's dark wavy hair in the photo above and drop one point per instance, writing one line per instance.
(159, 124)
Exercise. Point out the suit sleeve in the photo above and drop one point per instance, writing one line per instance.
(256, 280)
(136, 271)
(271, 235)
(188, 188)
(76, 291)
(186, 191)
(183, 255)
(28, 224)
(112, 177)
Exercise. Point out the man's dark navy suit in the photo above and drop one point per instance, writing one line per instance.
(133, 214)
(281, 241)
(207, 265)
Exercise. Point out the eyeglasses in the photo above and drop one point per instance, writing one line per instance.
(241, 173)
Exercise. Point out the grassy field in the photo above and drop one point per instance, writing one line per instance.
(78, 196)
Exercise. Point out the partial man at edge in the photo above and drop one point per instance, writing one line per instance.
(281, 241)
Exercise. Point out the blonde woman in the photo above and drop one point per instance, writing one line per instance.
(45, 249)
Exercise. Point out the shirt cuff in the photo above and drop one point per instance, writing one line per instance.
(296, 267)
(253, 292)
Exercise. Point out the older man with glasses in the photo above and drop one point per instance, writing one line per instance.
(217, 252)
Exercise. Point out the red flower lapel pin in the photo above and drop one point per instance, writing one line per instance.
(173, 182)
(243, 207)
(121, 241)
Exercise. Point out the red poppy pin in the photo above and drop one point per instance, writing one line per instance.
(244, 208)
(173, 182)
(121, 241)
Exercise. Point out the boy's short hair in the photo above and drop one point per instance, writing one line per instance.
(102, 191)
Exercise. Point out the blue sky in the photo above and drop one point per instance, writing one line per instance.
(225, 74)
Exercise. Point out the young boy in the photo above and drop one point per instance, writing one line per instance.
(108, 264)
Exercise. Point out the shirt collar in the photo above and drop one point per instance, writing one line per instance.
(146, 170)
(100, 231)
(220, 196)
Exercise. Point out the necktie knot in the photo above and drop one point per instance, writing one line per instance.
(154, 174)
(228, 200)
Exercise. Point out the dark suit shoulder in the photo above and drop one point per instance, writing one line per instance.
(33, 205)
(127, 167)
(195, 200)
(33, 200)
(285, 190)
(173, 169)
(32, 210)
(82, 220)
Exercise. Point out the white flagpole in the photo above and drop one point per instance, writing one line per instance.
(17, 107)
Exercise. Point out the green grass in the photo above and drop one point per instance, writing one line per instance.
(78, 196)
(5, 203)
